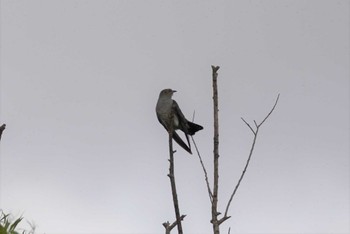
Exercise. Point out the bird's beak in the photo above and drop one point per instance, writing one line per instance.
(174, 91)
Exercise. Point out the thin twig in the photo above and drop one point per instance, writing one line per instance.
(250, 153)
(204, 170)
(248, 125)
(243, 173)
(203, 167)
(273, 108)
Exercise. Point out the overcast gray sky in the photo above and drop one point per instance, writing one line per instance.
(83, 151)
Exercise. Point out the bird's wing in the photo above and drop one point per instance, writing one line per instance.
(182, 120)
(162, 122)
(183, 123)
(176, 137)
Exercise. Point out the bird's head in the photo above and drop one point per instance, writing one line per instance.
(167, 93)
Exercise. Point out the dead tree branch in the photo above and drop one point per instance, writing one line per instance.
(214, 204)
(169, 227)
(210, 193)
(255, 132)
(171, 176)
(213, 194)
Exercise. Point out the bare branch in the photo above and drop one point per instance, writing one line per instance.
(256, 125)
(223, 219)
(273, 108)
(203, 167)
(248, 125)
(242, 175)
(193, 115)
(250, 154)
(214, 204)
(172, 175)
(168, 227)
(175, 223)
(215, 70)
(204, 170)
(166, 224)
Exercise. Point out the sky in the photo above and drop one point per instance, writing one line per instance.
(83, 151)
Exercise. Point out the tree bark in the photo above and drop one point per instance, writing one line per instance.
(172, 177)
(214, 205)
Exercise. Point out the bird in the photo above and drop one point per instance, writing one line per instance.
(164, 107)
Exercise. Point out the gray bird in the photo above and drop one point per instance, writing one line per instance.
(163, 109)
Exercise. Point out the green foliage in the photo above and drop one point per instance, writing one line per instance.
(8, 226)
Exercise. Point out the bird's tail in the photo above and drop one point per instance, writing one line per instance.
(193, 128)
(177, 138)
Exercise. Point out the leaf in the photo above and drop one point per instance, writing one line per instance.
(4, 218)
(13, 226)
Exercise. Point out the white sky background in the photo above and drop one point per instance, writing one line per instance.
(83, 151)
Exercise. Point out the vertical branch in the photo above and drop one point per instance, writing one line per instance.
(172, 176)
(214, 205)
(216, 222)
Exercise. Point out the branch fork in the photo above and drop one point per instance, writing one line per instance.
(213, 193)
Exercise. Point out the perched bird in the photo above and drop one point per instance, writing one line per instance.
(164, 107)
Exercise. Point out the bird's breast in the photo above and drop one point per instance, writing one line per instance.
(176, 122)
